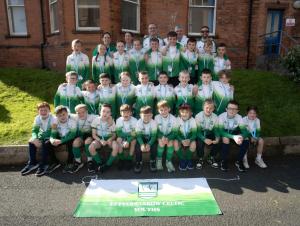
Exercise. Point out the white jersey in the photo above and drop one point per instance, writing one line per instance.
(85, 125)
(126, 126)
(182, 42)
(45, 124)
(230, 124)
(200, 46)
(64, 128)
(206, 123)
(104, 130)
(166, 125)
(220, 64)
(146, 42)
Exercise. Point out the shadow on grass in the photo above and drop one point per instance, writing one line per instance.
(4, 114)
(38, 83)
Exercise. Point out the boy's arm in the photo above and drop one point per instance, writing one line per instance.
(193, 132)
(258, 129)
(35, 130)
(70, 135)
(153, 136)
(223, 132)
(139, 137)
(54, 133)
(56, 99)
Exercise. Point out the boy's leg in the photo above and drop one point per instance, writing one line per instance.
(93, 151)
(182, 161)
(224, 153)
(113, 154)
(189, 155)
(32, 163)
(90, 164)
(77, 143)
(153, 154)
(160, 151)
(200, 152)
(243, 149)
(54, 163)
(138, 158)
(170, 151)
(258, 160)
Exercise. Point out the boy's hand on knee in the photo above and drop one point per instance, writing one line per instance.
(147, 147)
(103, 142)
(238, 139)
(143, 148)
(125, 144)
(208, 141)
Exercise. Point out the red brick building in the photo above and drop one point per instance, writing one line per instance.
(38, 33)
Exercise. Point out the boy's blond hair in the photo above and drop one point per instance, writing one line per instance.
(162, 104)
(146, 110)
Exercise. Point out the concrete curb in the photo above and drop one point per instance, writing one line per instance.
(274, 146)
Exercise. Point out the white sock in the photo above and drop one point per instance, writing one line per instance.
(89, 159)
(245, 156)
(78, 160)
(258, 156)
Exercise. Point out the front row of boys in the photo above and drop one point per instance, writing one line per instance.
(183, 135)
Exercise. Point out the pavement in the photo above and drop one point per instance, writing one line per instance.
(260, 197)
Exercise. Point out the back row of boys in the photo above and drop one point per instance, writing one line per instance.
(183, 135)
(171, 58)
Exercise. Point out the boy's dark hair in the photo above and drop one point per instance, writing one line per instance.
(118, 41)
(105, 105)
(192, 40)
(146, 110)
(106, 33)
(185, 107)
(43, 105)
(163, 73)
(143, 73)
(86, 83)
(224, 72)
(128, 32)
(252, 108)
(233, 102)
(70, 73)
(125, 107)
(104, 75)
(137, 39)
(59, 109)
(154, 40)
(206, 71)
(208, 101)
(204, 27)
(222, 44)
(172, 34)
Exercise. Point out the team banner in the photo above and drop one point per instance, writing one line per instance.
(153, 197)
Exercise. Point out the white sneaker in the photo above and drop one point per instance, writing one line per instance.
(170, 166)
(260, 162)
(159, 165)
(245, 162)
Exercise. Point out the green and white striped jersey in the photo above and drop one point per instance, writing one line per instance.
(79, 63)
(84, 126)
(187, 129)
(222, 94)
(206, 125)
(103, 64)
(120, 64)
(145, 95)
(64, 131)
(189, 62)
(206, 61)
(107, 95)
(231, 126)
(253, 127)
(146, 131)
(68, 95)
(171, 61)
(220, 64)
(154, 64)
(124, 95)
(167, 127)
(126, 129)
(136, 64)
(184, 95)
(204, 92)
(91, 100)
(165, 92)
(41, 128)
(103, 128)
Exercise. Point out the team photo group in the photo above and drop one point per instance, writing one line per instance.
(170, 97)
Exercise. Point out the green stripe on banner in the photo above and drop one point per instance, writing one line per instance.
(161, 197)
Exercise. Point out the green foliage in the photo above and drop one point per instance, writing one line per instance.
(276, 96)
(292, 62)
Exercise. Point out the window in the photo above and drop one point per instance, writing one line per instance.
(131, 15)
(87, 14)
(202, 13)
(16, 17)
(53, 16)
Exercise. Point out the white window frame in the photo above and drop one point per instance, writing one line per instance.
(76, 19)
(190, 22)
(51, 2)
(138, 6)
(11, 32)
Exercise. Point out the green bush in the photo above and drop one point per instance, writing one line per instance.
(292, 62)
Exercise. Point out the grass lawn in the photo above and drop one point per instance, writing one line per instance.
(21, 89)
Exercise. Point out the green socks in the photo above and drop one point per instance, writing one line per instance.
(110, 160)
(160, 151)
(170, 151)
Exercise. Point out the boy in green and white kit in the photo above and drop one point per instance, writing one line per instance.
(91, 97)
(206, 61)
(62, 133)
(167, 130)
(101, 63)
(107, 93)
(41, 131)
(164, 91)
(222, 92)
(186, 138)
(221, 61)
(207, 133)
(154, 60)
(184, 91)
(137, 61)
(203, 91)
(125, 91)
(144, 93)
(189, 59)
(126, 137)
(104, 134)
(171, 57)
(68, 94)
(252, 124)
(79, 62)
(146, 133)
(120, 62)
(83, 137)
